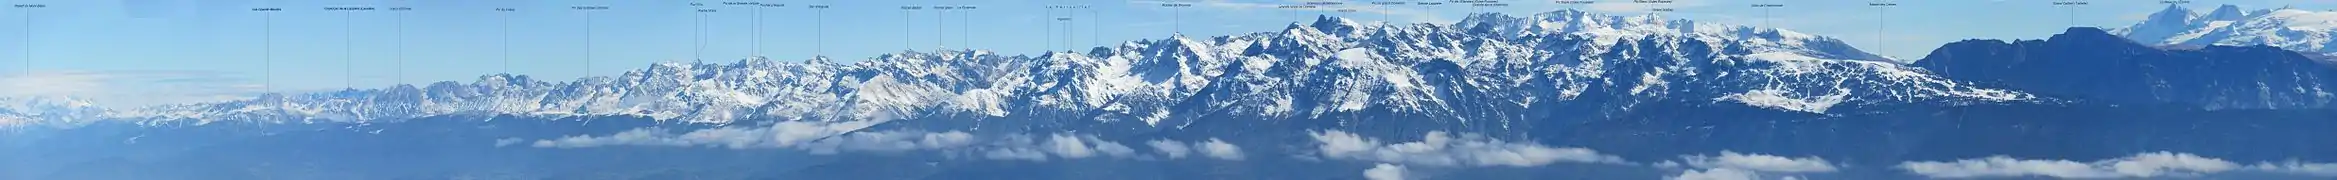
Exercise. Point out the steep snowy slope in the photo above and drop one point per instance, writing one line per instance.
(2294, 29)
(1486, 67)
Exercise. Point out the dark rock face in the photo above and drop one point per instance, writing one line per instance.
(2088, 64)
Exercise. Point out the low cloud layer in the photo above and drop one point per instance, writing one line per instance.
(1385, 171)
(778, 135)
(1170, 149)
(1212, 148)
(1443, 149)
(2144, 165)
(1739, 166)
(1760, 163)
(2295, 167)
(839, 137)
(1715, 174)
(1215, 148)
(129, 89)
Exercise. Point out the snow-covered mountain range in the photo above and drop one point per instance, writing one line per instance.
(1556, 95)
(2291, 28)
(1475, 69)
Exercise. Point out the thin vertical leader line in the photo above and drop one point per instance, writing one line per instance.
(28, 42)
(507, 42)
(1049, 20)
(348, 51)
(940, 42)
(588, 44)
(401, 41)
(906, 42)
(965, 28)
(697, 36)
(755, 31)
(1095, 32)
(938, 29)
(587, 76)
(821, 16)
(268, 52)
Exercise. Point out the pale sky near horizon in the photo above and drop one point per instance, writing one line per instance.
(143, 52)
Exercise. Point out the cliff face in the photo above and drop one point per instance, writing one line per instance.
(2091, 65)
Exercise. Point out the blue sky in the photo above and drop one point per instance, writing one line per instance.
(162, 51)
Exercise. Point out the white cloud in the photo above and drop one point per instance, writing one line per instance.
(782, 134)
(1074, 147)
(1716, 174)
(1212, 148)
(1384, 171)
(2145, 165)
(1065, 146)
(2142, 165)
(130, 89)
(1219, 149)
(1733, 165)
(1109, 148)
(1760, 163)
(1017, 154)
(1666, 165)
(888, 141)
(640, 137)
(833, 138)
(508, 142)
(1442, 149)
(1171, 149)
(1068, 147)
(2295, 167)
(947, 139)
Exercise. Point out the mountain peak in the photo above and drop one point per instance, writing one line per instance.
(2228, 25)
(1336, 26)
(1567, 12)
(2084, 34)
(2226, 12)
(2173, 13)
(2162, 25)
(1241, 71)
(2087, 63)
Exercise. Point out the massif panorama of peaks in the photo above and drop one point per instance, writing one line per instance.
(1488, 66)
(2294, 29)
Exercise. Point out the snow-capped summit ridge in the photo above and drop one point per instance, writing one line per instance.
(2293, 29)
(2163, 24)
(1609, 29)
(1474, 71)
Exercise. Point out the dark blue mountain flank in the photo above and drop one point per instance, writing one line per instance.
(2089, 64)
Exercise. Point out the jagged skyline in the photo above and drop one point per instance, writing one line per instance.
(309, 60)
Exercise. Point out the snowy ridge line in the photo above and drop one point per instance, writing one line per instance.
(2228, 25)
(1333, 65)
